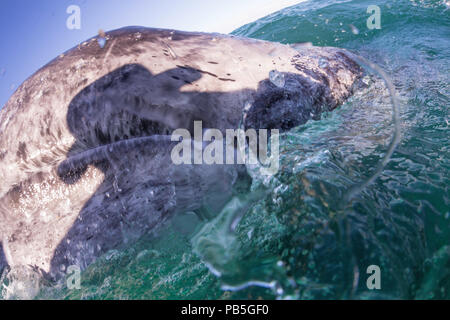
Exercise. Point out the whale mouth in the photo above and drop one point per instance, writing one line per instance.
(115, 116)
(70, 169)
(119, 107)
(119, 134)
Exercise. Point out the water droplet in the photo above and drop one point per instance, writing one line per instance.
(101, 42)
(301, 45)
(171, 52)
(366, 80)
(323, 63)
(101, 33)
(277, 78)
(116, 186)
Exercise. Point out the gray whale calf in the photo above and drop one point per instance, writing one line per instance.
(85, 142)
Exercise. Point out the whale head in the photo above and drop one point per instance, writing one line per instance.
(85, 142)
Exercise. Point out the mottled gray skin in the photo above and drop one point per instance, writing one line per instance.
(84, 147)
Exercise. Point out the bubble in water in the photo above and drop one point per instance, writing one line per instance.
(279, 290)
(323, 63)
(277, 78)
(354, 29)
(112, 255)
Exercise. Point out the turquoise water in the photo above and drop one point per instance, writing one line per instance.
(298, 235)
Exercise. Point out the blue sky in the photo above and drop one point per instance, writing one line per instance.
(35, 32)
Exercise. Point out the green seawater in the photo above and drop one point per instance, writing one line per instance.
(296, 235)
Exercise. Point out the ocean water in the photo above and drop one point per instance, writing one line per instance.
(334, 208)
